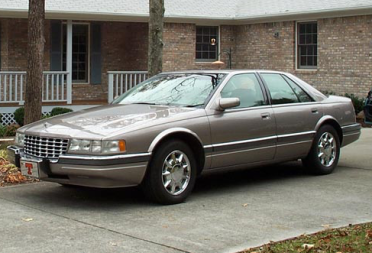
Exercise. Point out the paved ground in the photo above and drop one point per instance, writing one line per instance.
(282, 202)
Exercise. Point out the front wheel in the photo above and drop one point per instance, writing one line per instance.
(325, 152)
(172, 173)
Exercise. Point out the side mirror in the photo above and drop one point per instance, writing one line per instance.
(226, 103)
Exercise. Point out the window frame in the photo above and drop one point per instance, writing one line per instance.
(88, 48)
(218, 40)
(297, 45)
(266, 96)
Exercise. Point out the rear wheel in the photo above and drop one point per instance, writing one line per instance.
(325, 152)
(172, 173)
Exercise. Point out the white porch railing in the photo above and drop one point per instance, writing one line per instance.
(120, 82)
(56, 87)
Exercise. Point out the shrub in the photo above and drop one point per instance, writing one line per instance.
(19, 115)
(11, 130)
(357, 102)
(8, 130)
(2, 130)
(59, 110)
(328, 93)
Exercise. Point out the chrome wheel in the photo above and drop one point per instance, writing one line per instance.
(176, 172)
(327, 149)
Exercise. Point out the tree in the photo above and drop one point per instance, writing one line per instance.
(156, 24)
(35, 58)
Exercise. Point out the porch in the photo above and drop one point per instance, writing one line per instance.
(57, 90)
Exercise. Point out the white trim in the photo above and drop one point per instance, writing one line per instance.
(69, 30)
(219, 44)
(234, 19)
(296, 48)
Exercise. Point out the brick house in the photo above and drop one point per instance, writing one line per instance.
(95, 49)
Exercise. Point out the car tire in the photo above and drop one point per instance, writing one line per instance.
(171, 174)
(324, 153)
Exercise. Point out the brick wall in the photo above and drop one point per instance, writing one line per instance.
(14, 44)
(344, 49)
(124, 47)
(180, 45)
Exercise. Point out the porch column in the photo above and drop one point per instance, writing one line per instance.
(69, 61)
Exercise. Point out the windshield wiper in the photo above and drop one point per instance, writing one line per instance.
(194, 105)
(142, 103)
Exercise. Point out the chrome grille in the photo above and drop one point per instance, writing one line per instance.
(45, 147)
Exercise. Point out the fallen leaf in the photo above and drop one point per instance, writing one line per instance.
(342, 233)
(369, 234)
(27, 219)
(307, 246)
(326, 226)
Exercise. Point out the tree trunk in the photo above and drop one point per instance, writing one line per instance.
(155, 57)
(35, 58)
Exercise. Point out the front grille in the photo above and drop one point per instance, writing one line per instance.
(45, 147)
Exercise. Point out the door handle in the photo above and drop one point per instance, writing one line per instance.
(265, 116)
(314, 110)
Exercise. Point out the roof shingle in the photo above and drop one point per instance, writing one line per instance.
(199, 9)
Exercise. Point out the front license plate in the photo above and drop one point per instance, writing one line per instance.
(30, 168)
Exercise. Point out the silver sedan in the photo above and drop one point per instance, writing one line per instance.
(164, 132)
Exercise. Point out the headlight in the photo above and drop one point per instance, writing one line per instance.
(20, 139)
(96, 147)
(113, 146)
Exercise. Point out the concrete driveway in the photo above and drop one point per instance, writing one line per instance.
(227, 212)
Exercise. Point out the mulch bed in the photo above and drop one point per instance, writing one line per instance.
(10, 174)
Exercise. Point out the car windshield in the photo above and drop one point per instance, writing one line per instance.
(189, 90)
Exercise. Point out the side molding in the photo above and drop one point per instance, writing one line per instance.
(167, 132)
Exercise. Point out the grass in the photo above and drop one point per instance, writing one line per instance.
(354, 238)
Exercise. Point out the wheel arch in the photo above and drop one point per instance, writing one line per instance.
(329, 120)
(185, 135)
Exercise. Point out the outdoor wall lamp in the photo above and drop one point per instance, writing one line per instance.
(226, 51)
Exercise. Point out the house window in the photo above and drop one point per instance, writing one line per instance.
(307, 45)
(80, 52)
(207, 43)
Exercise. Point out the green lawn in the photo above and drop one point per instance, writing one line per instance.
(355, 238)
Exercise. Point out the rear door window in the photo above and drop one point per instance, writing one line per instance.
(301, 94)
(279, 89)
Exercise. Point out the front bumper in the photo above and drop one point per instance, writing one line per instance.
(91, 171)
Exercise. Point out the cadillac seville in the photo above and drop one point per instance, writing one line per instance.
(167, 130)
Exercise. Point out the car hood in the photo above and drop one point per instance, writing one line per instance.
(106, 121)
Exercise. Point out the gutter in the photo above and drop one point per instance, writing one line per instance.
(237, 20)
